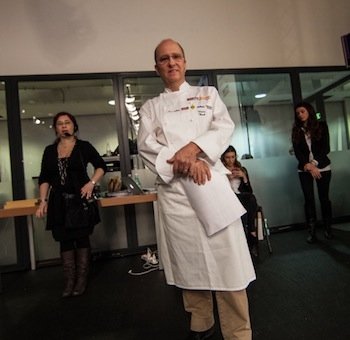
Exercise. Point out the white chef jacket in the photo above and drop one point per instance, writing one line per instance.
(191, 259)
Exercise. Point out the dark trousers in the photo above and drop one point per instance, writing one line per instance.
(307, 185)
(248, 201)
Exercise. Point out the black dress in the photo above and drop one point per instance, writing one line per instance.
(67, 176)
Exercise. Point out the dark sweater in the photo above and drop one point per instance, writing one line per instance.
(82, 154)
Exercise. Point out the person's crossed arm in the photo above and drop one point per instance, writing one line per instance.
(185, 163)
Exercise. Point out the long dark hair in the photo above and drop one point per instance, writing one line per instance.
(311, 126)
(231, 149)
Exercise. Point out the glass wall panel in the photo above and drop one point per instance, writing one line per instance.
(88, 101)
(329, 92)
(262, 109)
(313, 83)
(8, 253)
(5, 168)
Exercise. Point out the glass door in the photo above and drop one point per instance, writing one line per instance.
(261, 107)
(8, 249)
(90, 102)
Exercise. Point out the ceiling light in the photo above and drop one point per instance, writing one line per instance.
(260, 95)
(111, 102)
(129, 100)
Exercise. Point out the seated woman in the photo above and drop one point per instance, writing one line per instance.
(240, 184)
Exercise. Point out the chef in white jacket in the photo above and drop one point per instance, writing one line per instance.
(202, 245)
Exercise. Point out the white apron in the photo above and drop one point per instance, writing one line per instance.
(191, 258)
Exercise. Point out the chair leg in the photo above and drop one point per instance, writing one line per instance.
(267, 235)
(263, 230)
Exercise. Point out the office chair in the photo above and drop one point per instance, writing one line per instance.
(262, 228)
(262, 231)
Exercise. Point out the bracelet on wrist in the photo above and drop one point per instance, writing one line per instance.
(40, 200)
(93, 182)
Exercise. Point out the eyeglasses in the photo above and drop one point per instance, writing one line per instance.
(164, 59)
(61, 123)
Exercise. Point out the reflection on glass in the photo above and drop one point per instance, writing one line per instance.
(5, 168)
(87, 100)
(329, 92)
(261, 108)
(313, 83)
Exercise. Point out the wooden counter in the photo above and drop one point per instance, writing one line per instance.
(19, 211)
(28, 208)
(128, 199)
(23, 208)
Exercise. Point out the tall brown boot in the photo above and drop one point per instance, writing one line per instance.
(68, 262)
(82, 263)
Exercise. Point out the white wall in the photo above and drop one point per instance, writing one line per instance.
(79, 36)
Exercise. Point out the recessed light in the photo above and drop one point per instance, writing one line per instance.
(260, 95)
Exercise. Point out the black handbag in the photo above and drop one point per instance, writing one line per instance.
(80, 213)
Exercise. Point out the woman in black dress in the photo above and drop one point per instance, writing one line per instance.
(310, 139)
(64, 177)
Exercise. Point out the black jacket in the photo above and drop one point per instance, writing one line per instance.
(82, 154)
(320, 149)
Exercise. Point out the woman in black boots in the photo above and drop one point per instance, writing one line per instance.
(63, 181)
(310, 139)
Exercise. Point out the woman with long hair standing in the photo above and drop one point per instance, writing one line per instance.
(63, 181)
(310, 138)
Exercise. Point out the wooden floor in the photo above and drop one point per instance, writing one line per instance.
(302, 292)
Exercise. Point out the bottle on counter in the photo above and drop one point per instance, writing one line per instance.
(108, 150)
(137, 180)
